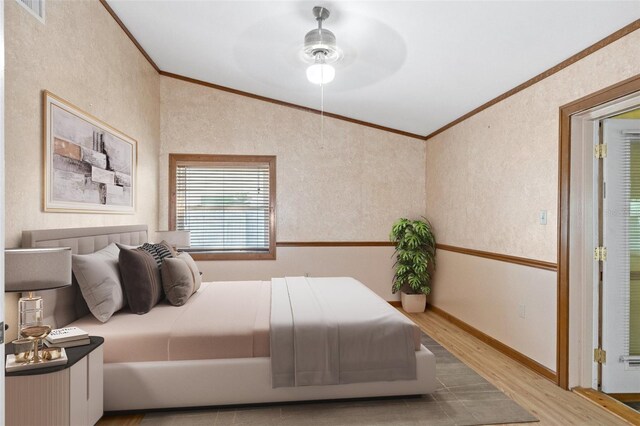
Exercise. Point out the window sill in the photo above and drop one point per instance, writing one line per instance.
(208, 255)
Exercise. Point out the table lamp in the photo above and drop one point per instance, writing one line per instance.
(176, 239)
(35, 269)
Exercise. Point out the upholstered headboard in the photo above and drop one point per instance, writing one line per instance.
(64, 306)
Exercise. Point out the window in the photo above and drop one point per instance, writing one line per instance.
(227, 202)
(34, 7)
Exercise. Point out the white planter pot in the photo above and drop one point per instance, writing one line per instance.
(413, 303)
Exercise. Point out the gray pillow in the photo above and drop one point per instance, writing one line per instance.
(177, 280)
(180, 278)
(99, 280)
(140, 279)
(197, 277)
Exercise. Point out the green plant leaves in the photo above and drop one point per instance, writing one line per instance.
(415, 255)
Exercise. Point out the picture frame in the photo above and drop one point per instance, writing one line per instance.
(89, 166)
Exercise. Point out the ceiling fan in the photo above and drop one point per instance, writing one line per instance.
(320, 50)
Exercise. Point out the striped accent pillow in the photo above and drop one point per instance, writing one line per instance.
(159, 251)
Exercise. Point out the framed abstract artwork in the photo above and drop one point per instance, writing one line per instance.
(88, 165)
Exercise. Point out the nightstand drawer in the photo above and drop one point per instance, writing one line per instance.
(38, 400)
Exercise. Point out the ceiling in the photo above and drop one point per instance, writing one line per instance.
(409, 65)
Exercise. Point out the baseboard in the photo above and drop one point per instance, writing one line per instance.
(395, 303)
(613, 406)
(498, 345)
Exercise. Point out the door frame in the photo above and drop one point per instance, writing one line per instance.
(599, 98)
(615, 377)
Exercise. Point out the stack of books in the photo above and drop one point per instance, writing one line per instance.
(67, 337)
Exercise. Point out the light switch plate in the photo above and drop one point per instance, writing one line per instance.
(543, 217)
(522, 310)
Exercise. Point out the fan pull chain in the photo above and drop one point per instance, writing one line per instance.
(321, 115)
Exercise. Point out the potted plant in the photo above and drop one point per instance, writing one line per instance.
(415, 260)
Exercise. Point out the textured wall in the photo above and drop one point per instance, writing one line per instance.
(351, 187)
(487, 179)
(489, 176)
(373, 266)
(83, 56)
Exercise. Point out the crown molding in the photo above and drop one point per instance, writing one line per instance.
(290, 105)
(128, 33)
(628, 29)
(247, 94)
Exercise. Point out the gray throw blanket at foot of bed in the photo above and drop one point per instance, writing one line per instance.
(329, 331)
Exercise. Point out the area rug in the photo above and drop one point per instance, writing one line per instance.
(463, 398)
(635, 405)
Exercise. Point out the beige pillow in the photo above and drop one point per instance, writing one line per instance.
(177, 280)
(180, 278)
(194, 269)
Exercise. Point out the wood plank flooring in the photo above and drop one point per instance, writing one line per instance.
(616, 407)
(551, 404)
(545, 400)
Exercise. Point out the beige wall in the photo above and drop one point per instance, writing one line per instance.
(489, 176)
(83, 56)
(370, 265)
(490, 295)
(351, 187)
(487, 179)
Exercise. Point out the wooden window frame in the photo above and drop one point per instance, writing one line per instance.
(176, 159)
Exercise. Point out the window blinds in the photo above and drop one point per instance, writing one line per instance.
(225, 206)
(632, 311)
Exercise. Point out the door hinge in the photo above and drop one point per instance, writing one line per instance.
(600, 254)
(600, 356)
(600, 150)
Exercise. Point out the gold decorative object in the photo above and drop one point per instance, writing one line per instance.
(50, 353)
(35, 333)
(22, 349)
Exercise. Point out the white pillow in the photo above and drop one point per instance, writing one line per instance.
(98, 276)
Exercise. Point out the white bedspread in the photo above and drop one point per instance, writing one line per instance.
(328, 331)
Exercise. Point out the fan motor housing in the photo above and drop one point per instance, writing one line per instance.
(320, 41)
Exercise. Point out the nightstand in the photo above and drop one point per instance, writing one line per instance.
(70, 394)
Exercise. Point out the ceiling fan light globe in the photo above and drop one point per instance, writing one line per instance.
(319, 73)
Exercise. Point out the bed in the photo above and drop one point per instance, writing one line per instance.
(163, 360)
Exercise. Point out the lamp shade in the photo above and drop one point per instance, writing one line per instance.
(176, 238)
(35, 269)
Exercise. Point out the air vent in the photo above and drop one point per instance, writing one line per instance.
(35, 7)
